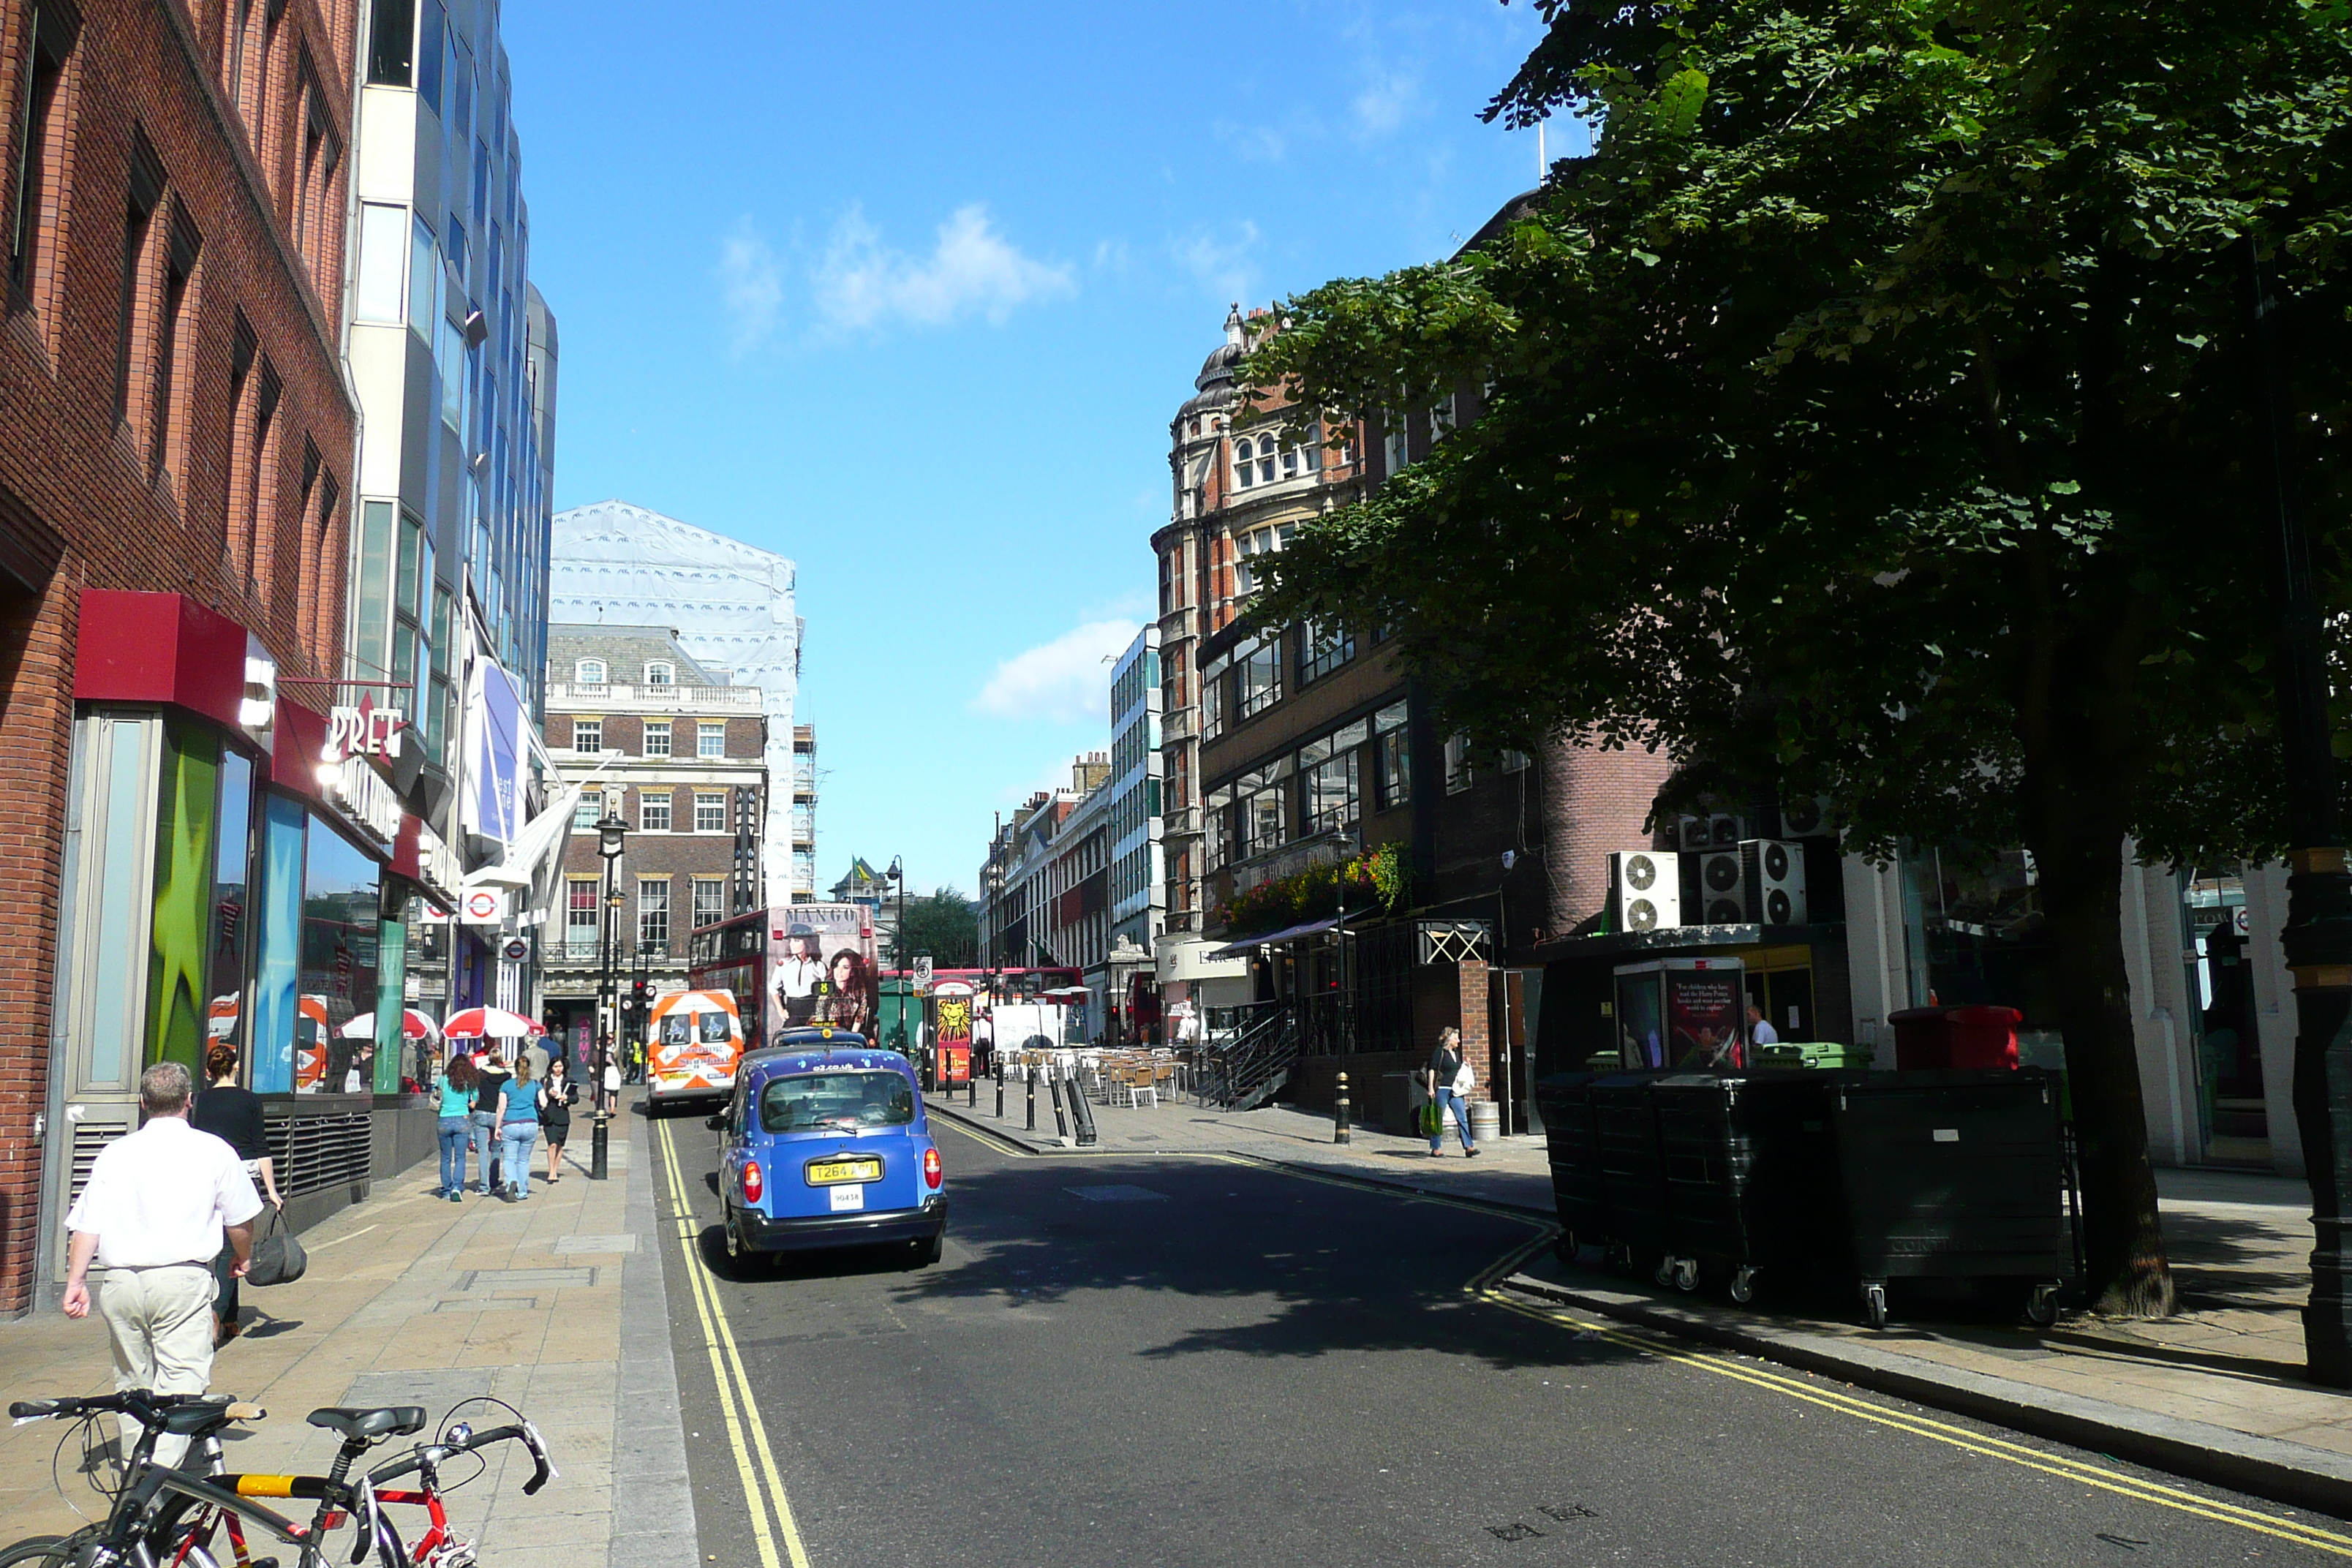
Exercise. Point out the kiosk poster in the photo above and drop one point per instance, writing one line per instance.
(1703, 1017)
(821, 961)
(1641, 1030)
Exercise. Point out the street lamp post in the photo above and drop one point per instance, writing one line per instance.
(611, 834)
(2318, 932)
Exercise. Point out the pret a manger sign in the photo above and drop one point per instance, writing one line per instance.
(348, 778)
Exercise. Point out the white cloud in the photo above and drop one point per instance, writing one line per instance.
(1062, 682)
(972, 271)
(1387, 98)
(1222, 264)
(1255, 144)
(751, 286)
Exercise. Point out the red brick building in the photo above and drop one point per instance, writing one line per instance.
(679, 754)
(171, 199)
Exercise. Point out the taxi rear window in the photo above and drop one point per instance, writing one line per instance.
(803, 1102)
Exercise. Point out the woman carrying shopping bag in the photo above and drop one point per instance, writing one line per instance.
(1450, 1083)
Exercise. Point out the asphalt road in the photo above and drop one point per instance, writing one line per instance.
(1127, 1359)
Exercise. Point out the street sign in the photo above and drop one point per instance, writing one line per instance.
(483, 907)
(516, 949)
(923, 973)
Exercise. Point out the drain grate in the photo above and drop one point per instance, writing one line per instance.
(1116, 1193)
(1514, 1531)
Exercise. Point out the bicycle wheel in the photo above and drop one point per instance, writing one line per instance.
(48, 1551)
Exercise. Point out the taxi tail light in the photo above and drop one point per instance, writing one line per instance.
(931, 1172)
(754, 1184)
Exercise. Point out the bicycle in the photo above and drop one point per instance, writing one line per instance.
(167, 1518)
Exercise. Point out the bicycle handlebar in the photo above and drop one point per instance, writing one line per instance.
(146, 1408)
(524, 1433)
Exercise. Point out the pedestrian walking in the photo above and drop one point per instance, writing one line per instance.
(160, 1205)
(490, 1095)
(1760, 1031)
(539, 1056)
(233, 1115)
(518, 1128)
(455, 1085)
(557, 1096)
(1449, 1081)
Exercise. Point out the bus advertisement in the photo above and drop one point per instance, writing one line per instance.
(822, 968)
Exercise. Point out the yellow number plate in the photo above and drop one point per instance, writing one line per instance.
(825, 1172)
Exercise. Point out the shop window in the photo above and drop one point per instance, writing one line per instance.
(657, 737)
(228, 941)
(710, 739)
(340, 903)
(709, 813)
(652, 810)
(588, 735)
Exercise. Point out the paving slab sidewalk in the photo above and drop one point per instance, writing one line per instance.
(555, 1304)
(2217, 1392)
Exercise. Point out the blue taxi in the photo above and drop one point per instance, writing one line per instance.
(825, 1144)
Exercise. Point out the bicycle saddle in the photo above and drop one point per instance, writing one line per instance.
(200, 1417)
(377, 1421)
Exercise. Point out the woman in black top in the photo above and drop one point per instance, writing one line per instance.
(489, 1092)
(233, 1115)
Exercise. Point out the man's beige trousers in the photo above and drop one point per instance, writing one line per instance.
(161, 1320)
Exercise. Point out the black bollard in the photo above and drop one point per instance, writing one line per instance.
(1082, 1114)
(1061, 1122)
(971, 1090)
(1033, 1099)
(999, 1090)
(1339, 1113)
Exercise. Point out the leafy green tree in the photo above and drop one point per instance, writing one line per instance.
(1872, 410)
(945, 925)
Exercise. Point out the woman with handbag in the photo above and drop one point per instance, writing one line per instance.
(557, 1096)
(233, 1114)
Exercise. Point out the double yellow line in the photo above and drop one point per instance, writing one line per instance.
(1483, 1288)
(755, 1464)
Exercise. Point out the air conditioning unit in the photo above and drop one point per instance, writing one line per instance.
(1690, 833)
(1720, 890)
(1774, 870)
(1644, 891)
(1807, 817)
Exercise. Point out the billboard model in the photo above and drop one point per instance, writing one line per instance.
(822, 967)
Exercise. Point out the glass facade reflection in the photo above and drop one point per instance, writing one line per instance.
(340, 897)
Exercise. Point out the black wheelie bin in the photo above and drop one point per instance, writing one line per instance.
(1954, 1175)
(1748, 1168)
(1572, 1147)
(1632, 1178)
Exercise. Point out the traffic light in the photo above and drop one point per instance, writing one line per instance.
(640, 991)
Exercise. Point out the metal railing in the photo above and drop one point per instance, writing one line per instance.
(1252, 1068)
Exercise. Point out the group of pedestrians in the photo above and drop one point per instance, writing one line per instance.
(501, 1112)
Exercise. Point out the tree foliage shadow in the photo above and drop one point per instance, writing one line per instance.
(1345, 1269)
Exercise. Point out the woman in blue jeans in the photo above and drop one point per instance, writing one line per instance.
(1448, 1078)
(456, 1086)
(518, 1128)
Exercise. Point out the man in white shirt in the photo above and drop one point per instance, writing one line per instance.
(158, 1207)
(798, 974)
(1760, 1031)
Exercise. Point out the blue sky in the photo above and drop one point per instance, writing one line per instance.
(910, 294)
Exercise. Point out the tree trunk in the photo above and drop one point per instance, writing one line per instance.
(2075, 722)
(2081, 874)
